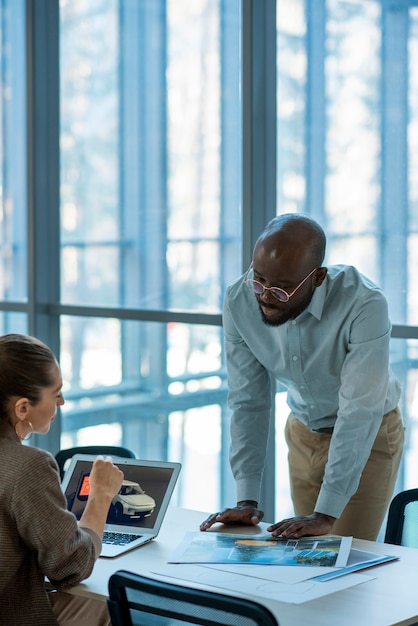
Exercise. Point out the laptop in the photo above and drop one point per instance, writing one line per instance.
(137, 511)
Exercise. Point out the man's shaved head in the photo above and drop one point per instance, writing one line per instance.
(299, 232)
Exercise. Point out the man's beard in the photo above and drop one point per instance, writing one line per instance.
(268, 322)
(290, 315)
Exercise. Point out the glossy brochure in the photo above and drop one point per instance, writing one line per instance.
(213, 547)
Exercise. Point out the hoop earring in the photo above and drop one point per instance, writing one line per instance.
(29, 435)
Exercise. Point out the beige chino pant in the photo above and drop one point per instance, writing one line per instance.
(364, 514)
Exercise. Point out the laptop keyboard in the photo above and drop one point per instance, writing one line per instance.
(119, 539)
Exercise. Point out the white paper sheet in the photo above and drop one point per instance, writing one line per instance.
(287, 575)
(293, 593)
(358, 560)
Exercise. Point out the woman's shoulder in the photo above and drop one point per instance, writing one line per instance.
(37, 458)
(25, 455)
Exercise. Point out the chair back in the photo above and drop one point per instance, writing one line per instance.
(63, 456)
(135, 600)
(402, 522)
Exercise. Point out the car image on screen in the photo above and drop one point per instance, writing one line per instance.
(131, 502)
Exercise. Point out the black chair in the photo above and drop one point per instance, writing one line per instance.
(402, 521)
(63, 456)
(135, 600)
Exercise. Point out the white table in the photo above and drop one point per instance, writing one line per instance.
(390, 598)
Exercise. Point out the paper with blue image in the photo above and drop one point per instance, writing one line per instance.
(212, 547)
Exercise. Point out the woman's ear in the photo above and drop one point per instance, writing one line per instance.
(21, 408)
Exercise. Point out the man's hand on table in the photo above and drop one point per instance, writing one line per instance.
(304, 525)
(245, 513)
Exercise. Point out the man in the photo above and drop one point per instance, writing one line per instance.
(324, 334)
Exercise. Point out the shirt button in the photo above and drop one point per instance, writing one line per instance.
(312, 406)
(295, 358)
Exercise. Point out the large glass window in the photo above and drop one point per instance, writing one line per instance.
(146, 117)
(150, 220)
(124, 213)
(13, 216)
(346, 109)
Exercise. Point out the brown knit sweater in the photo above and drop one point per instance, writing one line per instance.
(38, 537)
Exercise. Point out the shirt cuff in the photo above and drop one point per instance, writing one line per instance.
(248, 489)
(330, 503)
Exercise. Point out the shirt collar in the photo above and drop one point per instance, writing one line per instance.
(316, 305)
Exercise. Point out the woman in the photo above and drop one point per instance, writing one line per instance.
(38, 537)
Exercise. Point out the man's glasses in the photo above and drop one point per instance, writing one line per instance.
(277, 292)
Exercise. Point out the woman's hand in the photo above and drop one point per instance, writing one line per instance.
(105, 478)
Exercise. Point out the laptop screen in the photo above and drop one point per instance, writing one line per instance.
(143, 498)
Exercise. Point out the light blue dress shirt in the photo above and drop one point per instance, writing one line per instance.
(333, 359)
